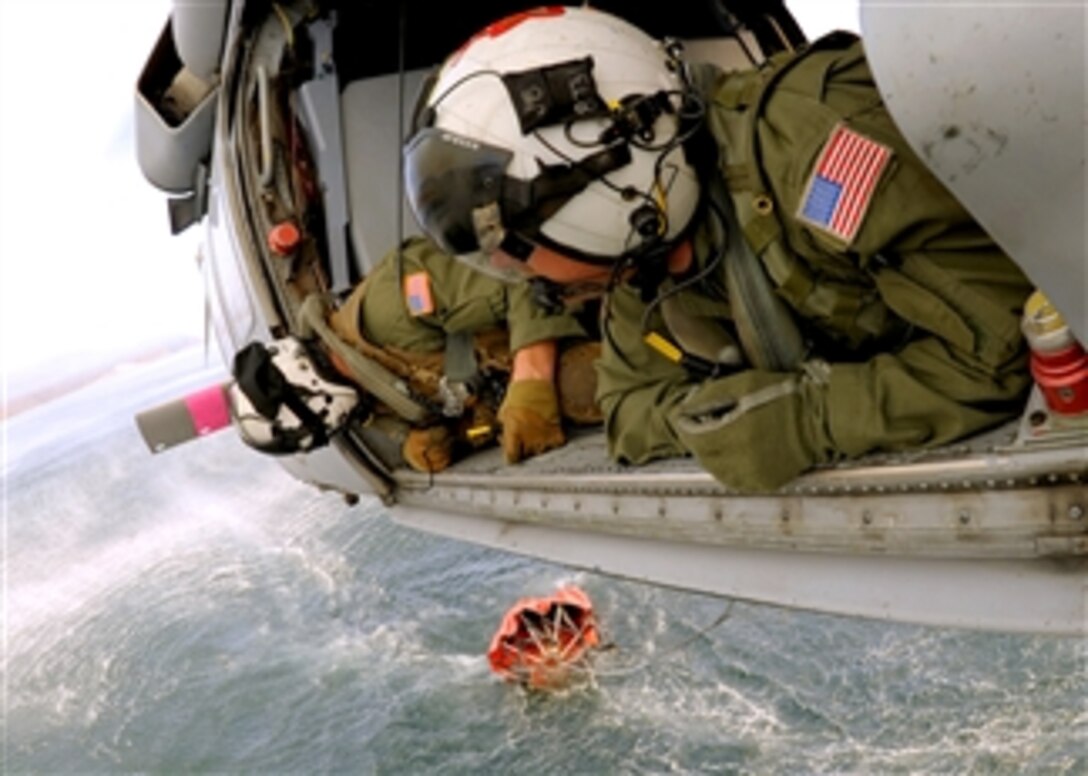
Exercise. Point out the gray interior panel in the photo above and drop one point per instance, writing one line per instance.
(372, 144)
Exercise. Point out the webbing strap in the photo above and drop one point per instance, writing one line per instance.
(373, 376)
(460, 362)
(766, 328)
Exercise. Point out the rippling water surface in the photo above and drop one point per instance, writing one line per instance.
(200, 611)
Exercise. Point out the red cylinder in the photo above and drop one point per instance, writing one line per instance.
(1062, 376)
(283, 238)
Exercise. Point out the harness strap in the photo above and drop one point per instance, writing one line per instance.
(460, 363)
(767, 329)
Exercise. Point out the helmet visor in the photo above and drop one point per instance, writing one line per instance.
(449, 179)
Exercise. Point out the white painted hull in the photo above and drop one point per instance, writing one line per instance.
(983, 539)
(1036, 596)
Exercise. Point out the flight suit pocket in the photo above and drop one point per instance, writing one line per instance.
(922, 307)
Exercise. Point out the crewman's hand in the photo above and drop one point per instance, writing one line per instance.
(530, 420)
(428, 450)
(756, 430)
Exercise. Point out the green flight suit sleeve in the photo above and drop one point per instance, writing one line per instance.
(962, 369)
(530, 323)
(462, 300)
(965, 367)
(637, 387)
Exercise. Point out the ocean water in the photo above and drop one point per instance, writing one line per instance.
(201, 612)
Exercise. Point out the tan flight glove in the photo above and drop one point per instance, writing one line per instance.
(530, 412)
(428, 450)
(530, 420)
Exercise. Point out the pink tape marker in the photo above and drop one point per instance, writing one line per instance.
(208, 409)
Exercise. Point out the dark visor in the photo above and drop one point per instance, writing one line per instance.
(448, 176)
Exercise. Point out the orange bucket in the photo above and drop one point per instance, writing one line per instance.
(545, 642)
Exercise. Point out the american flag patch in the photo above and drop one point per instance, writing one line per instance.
(842, 183)
(417, 294)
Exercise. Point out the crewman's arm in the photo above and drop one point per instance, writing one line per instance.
(637, 387)
(429, 295)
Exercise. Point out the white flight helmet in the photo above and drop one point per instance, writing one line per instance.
(279, 401)
(562, 126)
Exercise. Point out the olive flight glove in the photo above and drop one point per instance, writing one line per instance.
(756, 430)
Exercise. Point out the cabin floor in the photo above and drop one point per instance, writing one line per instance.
(1022, 459)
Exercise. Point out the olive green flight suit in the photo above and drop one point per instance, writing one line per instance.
(918, 314)
(463, 300)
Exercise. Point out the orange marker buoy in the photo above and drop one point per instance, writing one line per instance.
(545, 642)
